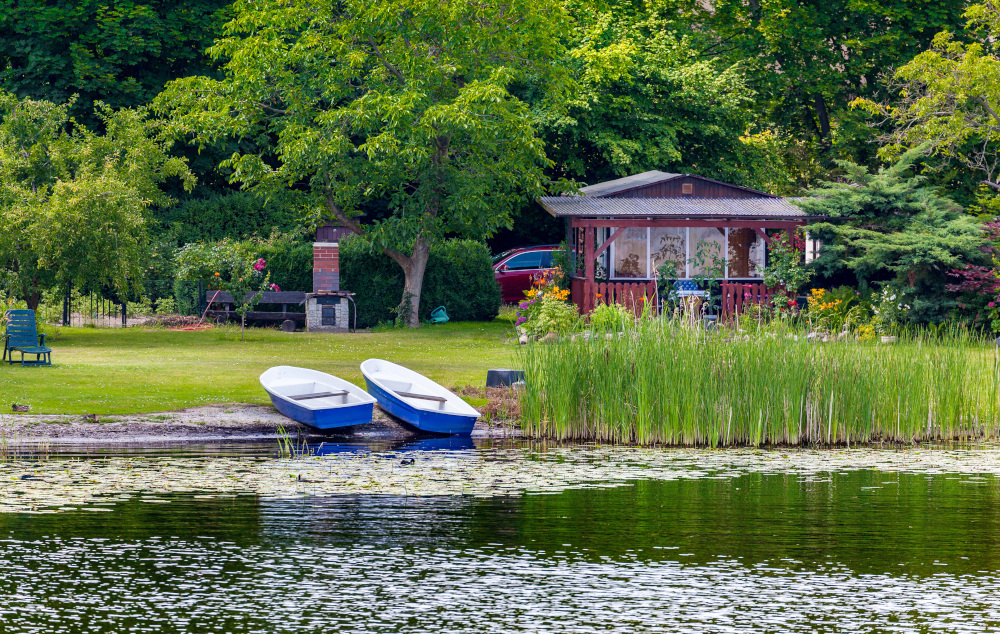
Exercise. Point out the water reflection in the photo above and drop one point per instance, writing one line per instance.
(859, 551)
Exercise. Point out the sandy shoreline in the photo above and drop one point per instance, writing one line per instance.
(221, 422)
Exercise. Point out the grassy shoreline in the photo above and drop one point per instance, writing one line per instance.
(137, 370)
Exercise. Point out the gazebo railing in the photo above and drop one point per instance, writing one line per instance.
(737, 297)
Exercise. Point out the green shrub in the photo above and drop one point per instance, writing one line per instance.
(186, 294)
(459, 276)
(289, 263)
(611, 318)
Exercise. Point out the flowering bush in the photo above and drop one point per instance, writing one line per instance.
(246, 281)
(786, 268)
(890, 311)
(545, 307)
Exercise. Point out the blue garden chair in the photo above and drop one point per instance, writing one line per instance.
(22, 336)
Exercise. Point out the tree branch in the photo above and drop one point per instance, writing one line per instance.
(389, 67)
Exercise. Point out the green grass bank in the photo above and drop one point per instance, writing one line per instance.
(661, 383)
(113, 371)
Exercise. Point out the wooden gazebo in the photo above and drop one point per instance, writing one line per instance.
(630, 227)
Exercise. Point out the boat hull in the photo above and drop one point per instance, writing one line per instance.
(333, 418)
(434, 422)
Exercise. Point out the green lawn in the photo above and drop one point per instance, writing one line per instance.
(110, 371)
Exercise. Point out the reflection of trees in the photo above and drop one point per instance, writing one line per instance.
(233, 519)
(772, 517)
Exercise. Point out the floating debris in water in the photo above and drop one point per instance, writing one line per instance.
(48, 486)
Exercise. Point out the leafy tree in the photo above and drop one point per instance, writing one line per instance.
(646, 99)
(808, 59)
(72, 202)
(950, 99)
(118, 52)
(406, 100)
(890, 227)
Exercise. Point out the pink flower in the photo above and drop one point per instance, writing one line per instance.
(259, 266)
(274, 287)
(992, 304)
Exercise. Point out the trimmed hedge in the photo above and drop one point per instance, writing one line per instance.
(235, 215)
(459, 277)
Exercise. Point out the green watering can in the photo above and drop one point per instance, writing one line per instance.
(439, 315)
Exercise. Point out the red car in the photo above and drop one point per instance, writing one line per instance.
(516, 268)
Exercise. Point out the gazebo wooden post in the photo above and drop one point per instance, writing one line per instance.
(588, 284)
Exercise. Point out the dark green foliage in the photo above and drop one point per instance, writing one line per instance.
(187, 294)
(235, 215)
(459, 276)
(289, 263)
(891, 228)
(121, 53)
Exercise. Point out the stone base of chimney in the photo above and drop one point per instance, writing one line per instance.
(327, 312)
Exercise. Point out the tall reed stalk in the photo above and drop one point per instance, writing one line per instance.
(660, 383)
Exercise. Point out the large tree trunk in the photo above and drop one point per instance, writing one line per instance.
(414, 268)
(824, 121)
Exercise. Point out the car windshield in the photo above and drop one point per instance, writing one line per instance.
(497, 258)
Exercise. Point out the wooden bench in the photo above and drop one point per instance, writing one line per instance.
(285, 298)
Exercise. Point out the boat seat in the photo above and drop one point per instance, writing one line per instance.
(303, 397)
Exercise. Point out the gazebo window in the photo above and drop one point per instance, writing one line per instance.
(709, 240)
(630, 254)
(668, 245)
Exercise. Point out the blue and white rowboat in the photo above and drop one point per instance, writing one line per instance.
(416, 400)
(317, 399)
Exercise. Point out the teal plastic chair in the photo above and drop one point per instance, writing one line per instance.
(439, 315)
(22, 336)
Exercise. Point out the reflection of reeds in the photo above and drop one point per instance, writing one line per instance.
(289, 447)
(658, 383)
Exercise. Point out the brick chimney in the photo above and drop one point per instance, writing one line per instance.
(326, 266)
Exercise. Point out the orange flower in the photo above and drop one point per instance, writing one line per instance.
(216, 274)
(599, 296)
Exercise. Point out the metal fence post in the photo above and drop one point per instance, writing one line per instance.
(66, 307)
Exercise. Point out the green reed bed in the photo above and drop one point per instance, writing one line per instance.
(660, 383)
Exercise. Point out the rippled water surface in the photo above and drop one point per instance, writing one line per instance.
(853, 551)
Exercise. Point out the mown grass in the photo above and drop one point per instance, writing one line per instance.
(112, 371)
(661, 383)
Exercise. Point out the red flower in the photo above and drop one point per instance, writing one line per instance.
(259, 266)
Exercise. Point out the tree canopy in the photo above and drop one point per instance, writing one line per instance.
(120, 53)
(890, 227)
(644, 99)
(405, 100)
(72, 201)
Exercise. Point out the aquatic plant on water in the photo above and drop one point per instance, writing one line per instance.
(661, 383)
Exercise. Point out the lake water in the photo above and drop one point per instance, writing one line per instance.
(846, 550)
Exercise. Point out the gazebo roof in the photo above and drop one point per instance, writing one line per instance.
(694, 208)
(624, 184)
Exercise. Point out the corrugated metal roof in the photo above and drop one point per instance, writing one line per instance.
(764, 208)
(629, 182)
